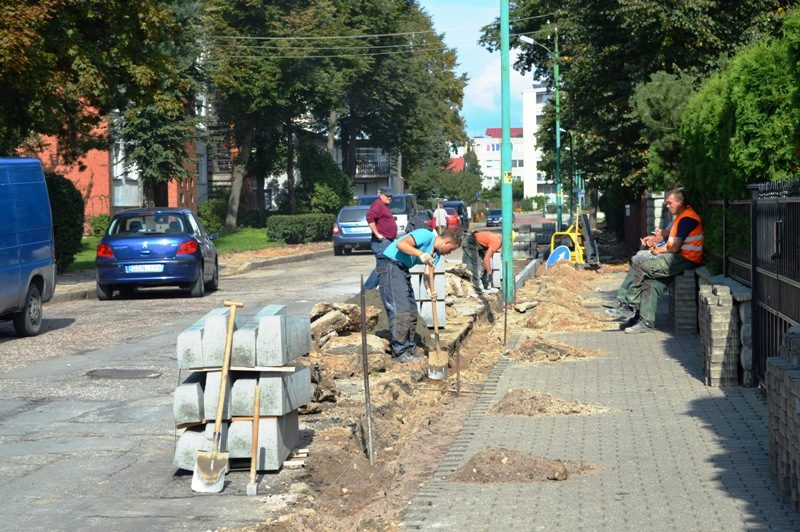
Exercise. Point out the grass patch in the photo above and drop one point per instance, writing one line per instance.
(84, 259)
(244, 239)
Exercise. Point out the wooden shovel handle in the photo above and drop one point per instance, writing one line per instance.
(432, 288)
(226, 362)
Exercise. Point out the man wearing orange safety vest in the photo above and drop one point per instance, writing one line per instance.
(649, 279)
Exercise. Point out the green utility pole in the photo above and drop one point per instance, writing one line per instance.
(559, 208)
(505, 157)
(573, 183)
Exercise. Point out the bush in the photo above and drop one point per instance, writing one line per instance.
(300, 228)
(98, 224)
(526, 204)
(326, 200)
(212, 214)
(66, 204)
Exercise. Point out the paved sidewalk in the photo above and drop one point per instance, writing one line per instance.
(673, 453)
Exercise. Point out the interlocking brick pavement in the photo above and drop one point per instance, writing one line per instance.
(672, 453)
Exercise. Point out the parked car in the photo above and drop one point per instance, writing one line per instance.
(27, 249)
(156, 247)
(461, 209)
(403, 207)
(351, 231)
(494, 217)
(453, 221)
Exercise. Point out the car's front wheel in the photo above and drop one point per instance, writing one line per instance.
(28, 321)
(104, 291)
(198, 288)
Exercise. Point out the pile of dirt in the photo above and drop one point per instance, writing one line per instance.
(540, 349)
(496, 465)
(234, 260)
(533, 403)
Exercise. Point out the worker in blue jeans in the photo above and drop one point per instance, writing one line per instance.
(418, 247)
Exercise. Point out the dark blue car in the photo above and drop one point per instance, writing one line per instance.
(156, 247)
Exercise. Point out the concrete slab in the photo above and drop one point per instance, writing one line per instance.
(420, 287)
(190, 341)
(281, 339)
(244, 339)
(214, 333)
(188, 403)
(280, 393)
(425, 312)
(211, 395)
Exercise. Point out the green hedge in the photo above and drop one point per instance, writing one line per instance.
(99, 224)
(212, 214)
(66, 205)
(300, 228)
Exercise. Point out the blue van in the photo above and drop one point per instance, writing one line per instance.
(27, 251)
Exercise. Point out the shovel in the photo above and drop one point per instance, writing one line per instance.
(437, 361)
(210, 466)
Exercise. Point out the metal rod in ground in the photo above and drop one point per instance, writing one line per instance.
(458, 371)
(505, 309)
(365, 367)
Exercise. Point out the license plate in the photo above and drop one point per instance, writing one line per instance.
(360, 230)
(144, 268)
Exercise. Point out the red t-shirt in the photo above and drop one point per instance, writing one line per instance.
(384, 219)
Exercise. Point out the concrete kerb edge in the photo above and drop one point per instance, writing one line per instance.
(86, 293)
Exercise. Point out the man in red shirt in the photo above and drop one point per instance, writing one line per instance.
(478, 249)
(384, 230)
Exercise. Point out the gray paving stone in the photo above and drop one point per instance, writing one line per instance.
(673, 454)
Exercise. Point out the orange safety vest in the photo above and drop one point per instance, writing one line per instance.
(692, 247)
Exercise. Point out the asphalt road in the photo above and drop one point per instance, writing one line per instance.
(78, 452)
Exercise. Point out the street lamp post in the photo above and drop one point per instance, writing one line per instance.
(554, 56)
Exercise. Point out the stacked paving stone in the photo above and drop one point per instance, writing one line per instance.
(419, 274)
(262, 348)
(497, 270)
(524, 247)
(683, 302)
(719, 335)
(783, 405)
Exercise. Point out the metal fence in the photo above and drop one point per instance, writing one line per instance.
(760, 247)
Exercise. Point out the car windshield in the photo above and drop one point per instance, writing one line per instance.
(366, 200)
(149, 224)
(495, 212)
(398, 205)
(353, 215)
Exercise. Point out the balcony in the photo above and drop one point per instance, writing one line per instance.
(370, 169)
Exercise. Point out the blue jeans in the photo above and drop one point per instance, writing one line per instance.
(377, 248)
(401, 307)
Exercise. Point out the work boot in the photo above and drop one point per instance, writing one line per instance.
(620, 314)
(612, 303)
(640, 326)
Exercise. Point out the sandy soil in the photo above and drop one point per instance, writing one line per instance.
(495, 465)
(533, 403)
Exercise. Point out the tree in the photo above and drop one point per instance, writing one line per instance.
(659, 104)
(608, 48)
(65, 65)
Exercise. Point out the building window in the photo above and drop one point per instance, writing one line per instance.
(517, 163)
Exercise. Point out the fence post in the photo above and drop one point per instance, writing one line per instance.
(724, 236)
(756, 342)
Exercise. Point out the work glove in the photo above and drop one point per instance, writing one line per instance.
(433, 294)
(426, 258)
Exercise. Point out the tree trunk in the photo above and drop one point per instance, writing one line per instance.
(290, 189)
(331, 132)
(239, 168)
(347, 139)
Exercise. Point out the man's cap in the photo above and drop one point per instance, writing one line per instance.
(386, 191)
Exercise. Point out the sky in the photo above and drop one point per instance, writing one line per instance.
(460, 21)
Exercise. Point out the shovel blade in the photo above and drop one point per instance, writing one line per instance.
(209, 471)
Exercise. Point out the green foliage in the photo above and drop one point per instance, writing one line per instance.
(251, 218)
(212, 214)
(323, 186)
(66, 205)
(85, 257)
(436, 182)
(494, 194)
(742, 126)
(540, 201)
(98, 224)
(300, 228)
(658, 104)
(606, 50)
(244, 239)
(326, 200)
(526, 204)
(65, 65)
